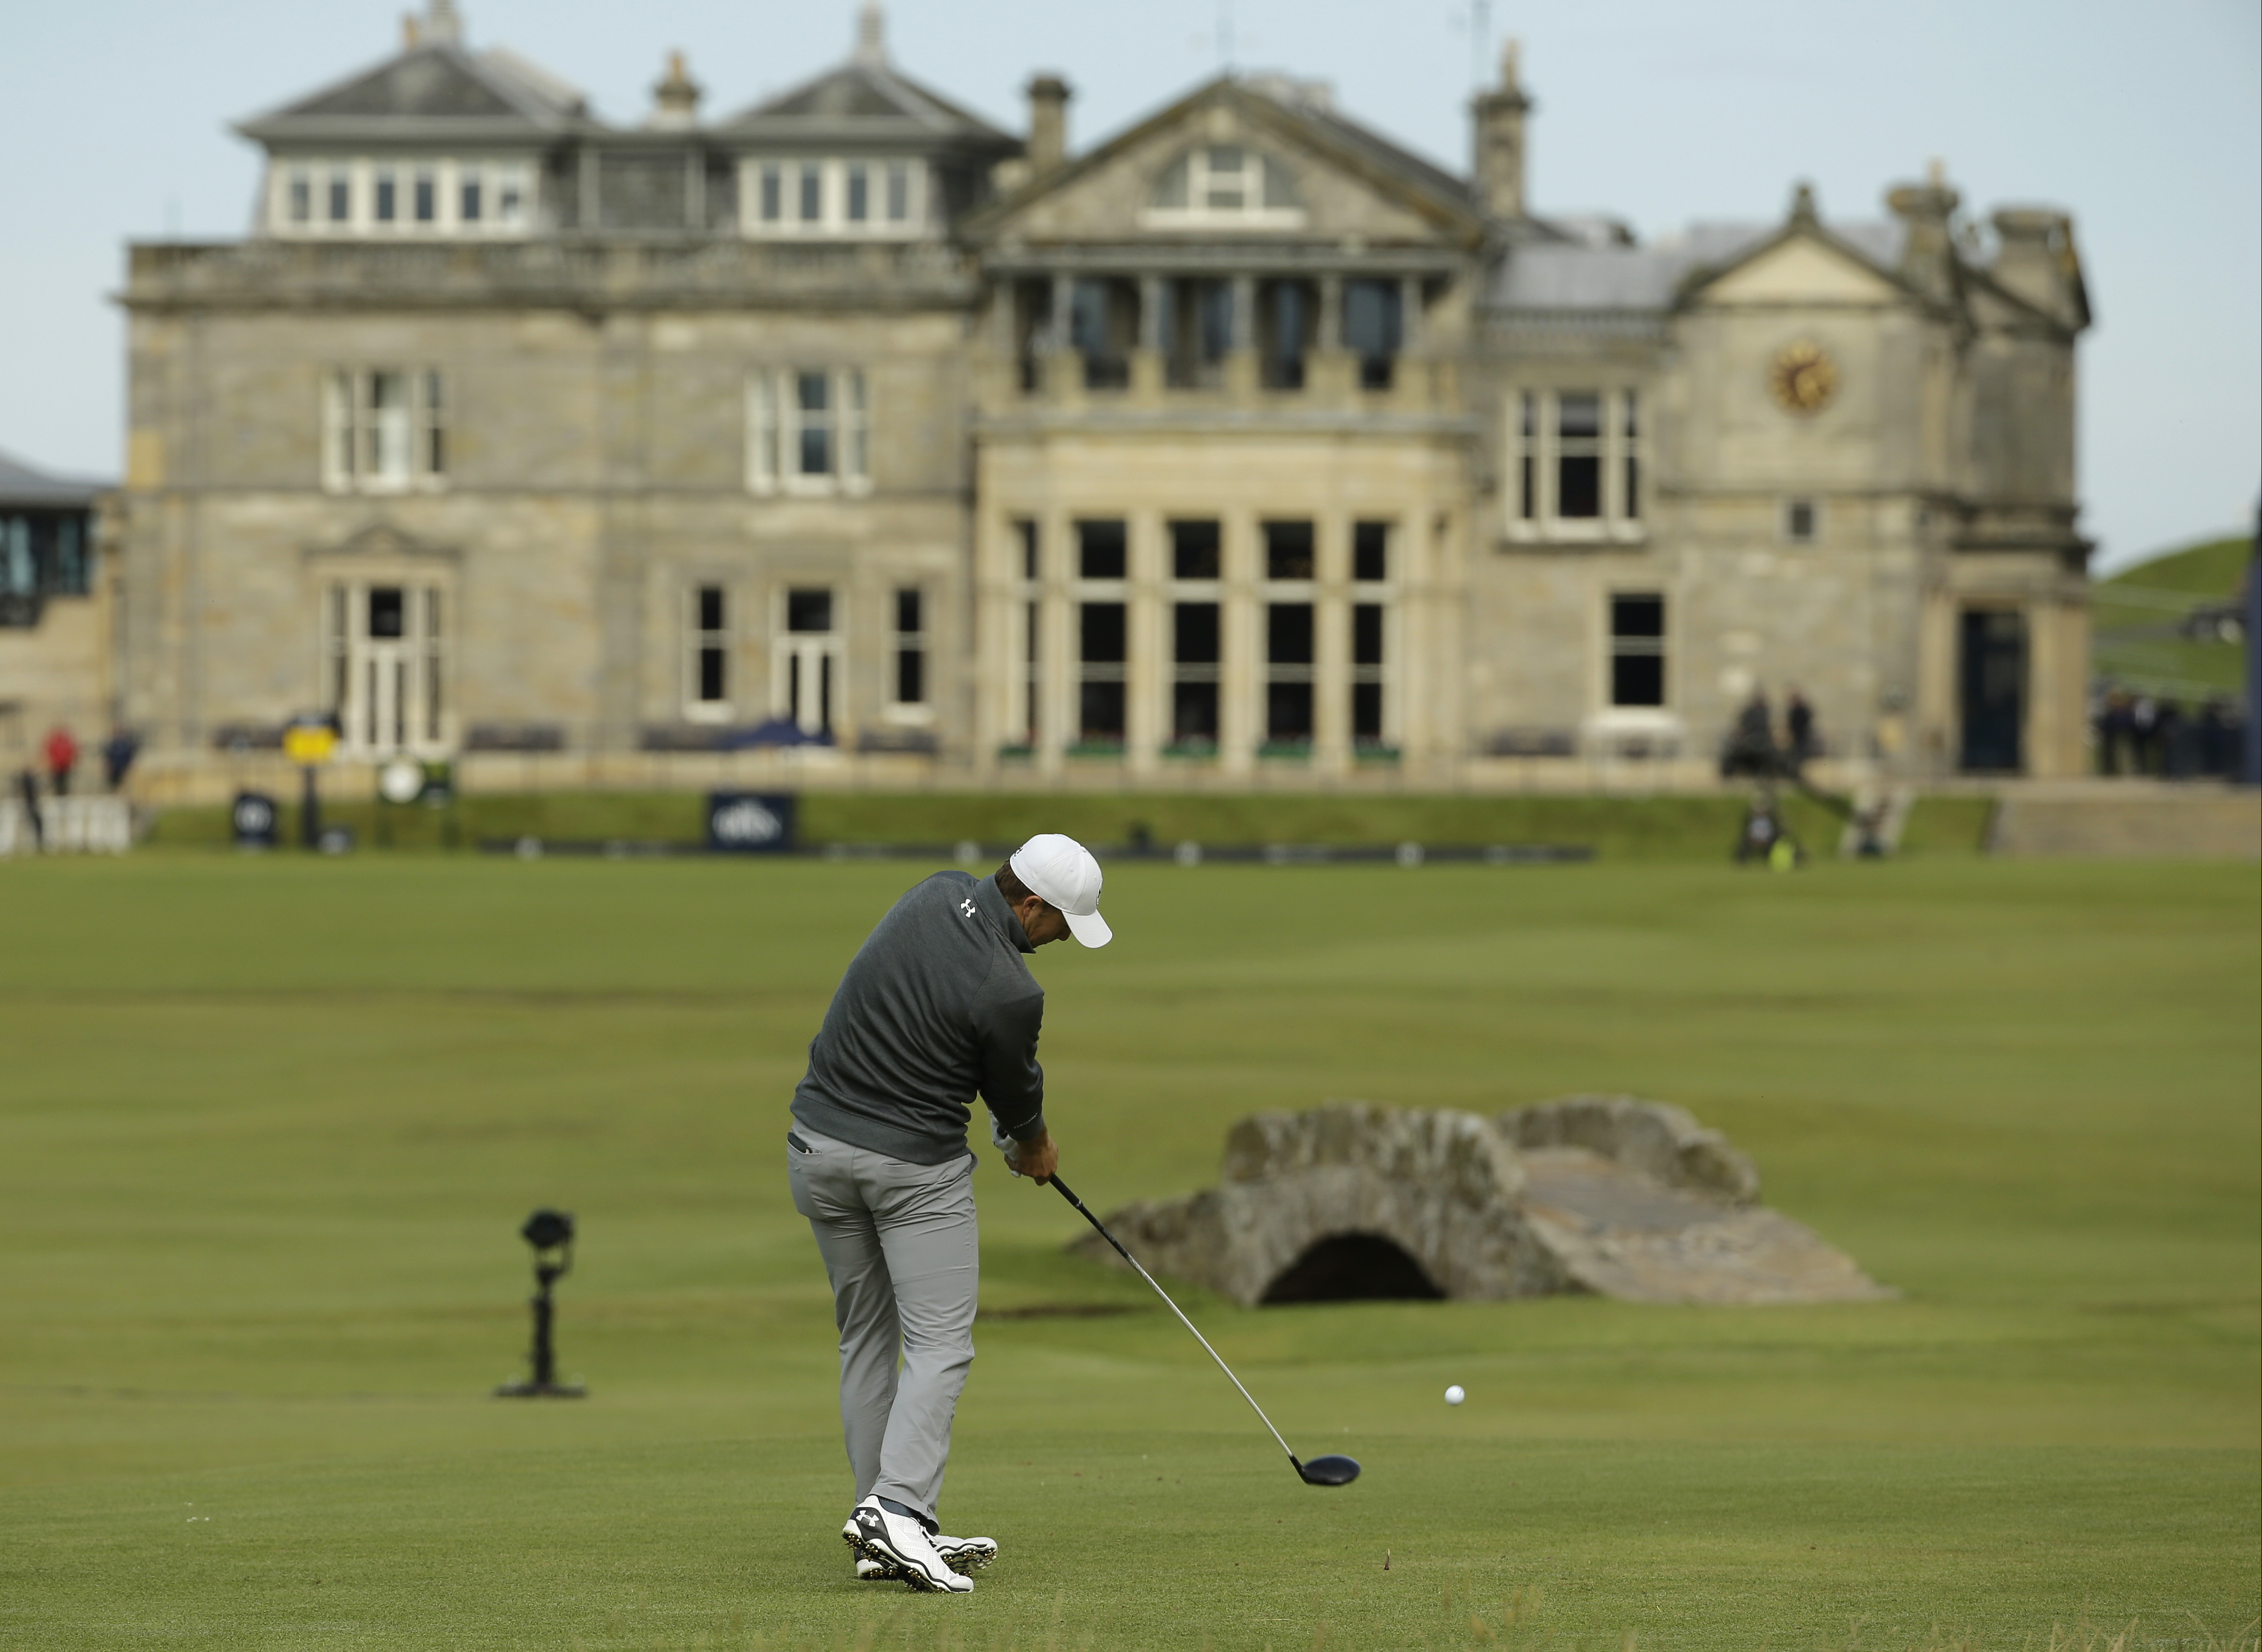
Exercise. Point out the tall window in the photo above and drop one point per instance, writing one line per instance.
(1033, 676)
(1196, 549)
(385, 643)
(1374, 329)
(1288, 673)
(1637, 649)
(1288, 550)
(1102, 640)
(807, 661)
(1287, 327)
(808, 431)
(383, 429)
(1369, 567)
(1575, 460)
(859, 198)
(1197, 326)
(1102, 549)
(1195, 657)
(1103, 327)
(910, 646)
(1103, 632)
(708, 698)
(1197, 635)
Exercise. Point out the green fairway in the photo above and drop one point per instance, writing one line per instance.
(267, 1127)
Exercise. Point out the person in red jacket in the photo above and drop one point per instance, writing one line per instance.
(62, 758)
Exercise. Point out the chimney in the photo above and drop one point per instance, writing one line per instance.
(1499, 131)
(2036, 260)
(871, 36)
(1928, 259)
(442, 25)
(1048, 95)
(675, 99)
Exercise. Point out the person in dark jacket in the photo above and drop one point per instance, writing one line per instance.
(937, 1008)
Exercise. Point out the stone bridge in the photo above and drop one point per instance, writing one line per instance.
(1602, 1194)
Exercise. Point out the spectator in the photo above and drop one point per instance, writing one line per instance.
(117, 754)
(2168, 733)
(28, 787)
(2143, 728)
(2116, 730)
(1751, 743)
(1798, 723)
(2216, 744)
(63, 756)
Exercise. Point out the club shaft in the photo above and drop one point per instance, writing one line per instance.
(1084, 1212)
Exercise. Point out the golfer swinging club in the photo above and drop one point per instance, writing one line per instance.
(936, 1006)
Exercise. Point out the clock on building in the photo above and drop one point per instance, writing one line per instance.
(1803, 378)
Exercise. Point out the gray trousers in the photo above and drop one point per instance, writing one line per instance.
(902, 1253)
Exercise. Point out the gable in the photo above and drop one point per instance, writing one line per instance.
(1226, 164)
(428, 90)
(421, 83)
(1801, 269)
(860, 100)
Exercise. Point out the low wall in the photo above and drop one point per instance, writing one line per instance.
(2129, 820)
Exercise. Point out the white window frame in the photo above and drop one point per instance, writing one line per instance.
(420, 692)
(1202, 182)
(385, 429)
(811, 660)
(699, 638)
(832, 221)
(774, 423)
(1382, 593)
(506, 186)
(1531, 420)
(921, 642)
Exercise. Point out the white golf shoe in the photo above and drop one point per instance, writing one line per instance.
(963, 1555)
(900, 1543)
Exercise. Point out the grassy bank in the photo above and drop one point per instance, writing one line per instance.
(268, 1125)
(1694, 828)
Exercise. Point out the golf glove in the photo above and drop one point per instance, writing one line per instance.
(1005, 1145)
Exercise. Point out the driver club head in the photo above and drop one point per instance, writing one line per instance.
(1330, 1470)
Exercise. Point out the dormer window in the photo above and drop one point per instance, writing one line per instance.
(884, 197)
(442, 197)
(1224, 184)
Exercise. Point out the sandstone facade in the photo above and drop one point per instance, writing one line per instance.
(1244, 449)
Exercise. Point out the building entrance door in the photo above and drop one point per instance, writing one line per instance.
(808, 662)
(386, 684)
(1994, 685)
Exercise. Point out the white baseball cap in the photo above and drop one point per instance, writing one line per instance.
(1063, 871)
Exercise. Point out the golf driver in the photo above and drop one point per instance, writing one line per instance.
(1329, 1470)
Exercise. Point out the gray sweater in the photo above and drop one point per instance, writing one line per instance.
(936, 1005)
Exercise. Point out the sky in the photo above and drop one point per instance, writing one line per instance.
(2144, 121)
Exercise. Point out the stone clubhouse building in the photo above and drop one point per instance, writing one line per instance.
(851, 436)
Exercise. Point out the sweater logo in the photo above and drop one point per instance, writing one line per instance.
(966, 907)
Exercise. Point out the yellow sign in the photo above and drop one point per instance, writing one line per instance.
(309, 742)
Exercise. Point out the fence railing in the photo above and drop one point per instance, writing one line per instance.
(68, 826)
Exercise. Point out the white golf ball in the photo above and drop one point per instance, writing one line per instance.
(1454, 1395)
